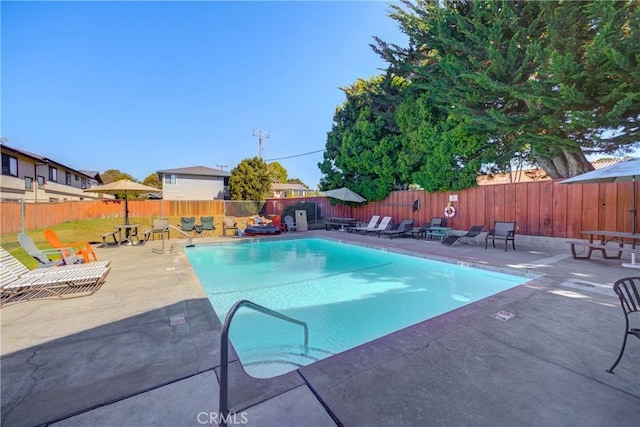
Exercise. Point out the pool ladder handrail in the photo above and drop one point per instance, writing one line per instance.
(224, 348)
(174, 246)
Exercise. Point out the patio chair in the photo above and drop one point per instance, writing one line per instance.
(628, 291)
(229, 223)
(291, 226)
(502, 231)
(64, 256)
(473, 233)
(373, 222)
(188, 224)
(405, 226)
(436, 221)
(206, 224)
(160, 226)
(83, 249)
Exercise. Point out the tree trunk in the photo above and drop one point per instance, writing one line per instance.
(566, 165)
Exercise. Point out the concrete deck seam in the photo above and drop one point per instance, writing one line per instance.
(119, 399)
(566, 368)
(324, 404)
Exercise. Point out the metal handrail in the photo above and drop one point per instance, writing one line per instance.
(224, 349)
(189, 241)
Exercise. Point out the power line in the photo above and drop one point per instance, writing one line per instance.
(295, 155)
(222, 166)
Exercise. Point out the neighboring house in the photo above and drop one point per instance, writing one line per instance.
(194, 183)
(282, 190)
(532, 175)
(34, 178)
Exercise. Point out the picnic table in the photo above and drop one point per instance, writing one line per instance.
(340, 223)
(603, 240)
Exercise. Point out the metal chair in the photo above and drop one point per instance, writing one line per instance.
(628, 291)
(160, 226)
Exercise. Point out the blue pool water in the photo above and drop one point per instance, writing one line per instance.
(347, 294)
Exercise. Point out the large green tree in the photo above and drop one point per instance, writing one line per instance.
(277, 172)
(361, 148)
(549, 80)
(249, 180)
(112, 175)
(153, 181)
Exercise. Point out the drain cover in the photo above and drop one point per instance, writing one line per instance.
(502, 315)
(178, 319)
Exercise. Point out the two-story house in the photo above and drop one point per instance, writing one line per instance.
(194, 183)
(34, 178)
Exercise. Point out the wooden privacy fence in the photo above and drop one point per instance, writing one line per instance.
(542, 208)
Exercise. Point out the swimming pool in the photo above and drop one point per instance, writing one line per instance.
(347, 294)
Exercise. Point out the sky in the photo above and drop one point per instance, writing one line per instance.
(146, 86)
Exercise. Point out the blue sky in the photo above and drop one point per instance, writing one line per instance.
(145, 86)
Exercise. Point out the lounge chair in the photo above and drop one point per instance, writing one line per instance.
(405, 226)
(628, 291)
(13, 265)
(502, 231)
(206, 224)
(384, 224)
(188, 224)
(291, 226)
(373, 222)
(17, 283)
(473, 233)
(83, 249)
(65, 256)
(229, 223)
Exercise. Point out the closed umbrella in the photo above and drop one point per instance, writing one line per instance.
(124, 186)
(345, 194)
(628, 170)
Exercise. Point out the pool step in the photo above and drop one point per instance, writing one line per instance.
(270, 361)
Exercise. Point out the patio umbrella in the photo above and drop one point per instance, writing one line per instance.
(345, 194)
(123, 186)
(628, 170)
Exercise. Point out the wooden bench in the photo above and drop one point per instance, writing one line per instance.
(596, 246)
(105, 236)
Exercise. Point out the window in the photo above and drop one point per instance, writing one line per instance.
(28, 183)
(84, 183)
(67, 178)
(169, 179)
(40, 180)
(77, 178)
(9, 165)
(53, 174)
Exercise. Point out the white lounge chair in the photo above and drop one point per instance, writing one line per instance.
(18, 283)
(384, 224)
(373, 222)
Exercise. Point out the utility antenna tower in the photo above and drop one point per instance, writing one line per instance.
(261, 134)
(222, 166)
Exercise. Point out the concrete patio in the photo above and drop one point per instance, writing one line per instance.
(115, 359)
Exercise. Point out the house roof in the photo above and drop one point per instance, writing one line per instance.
(195, 170)
(286, 186)
(531, 175)
(45, 160)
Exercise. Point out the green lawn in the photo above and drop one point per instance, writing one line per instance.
(89, 230)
